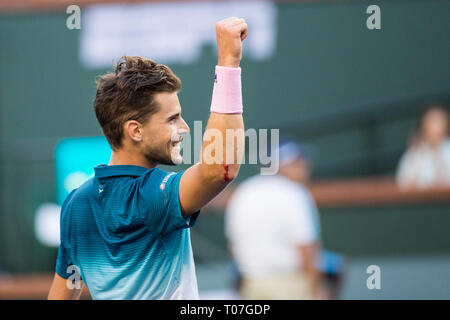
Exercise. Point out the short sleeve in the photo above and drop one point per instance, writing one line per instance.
(159, 202)
(303, 226)
(62, 262)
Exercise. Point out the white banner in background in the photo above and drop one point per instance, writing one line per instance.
(170, 32)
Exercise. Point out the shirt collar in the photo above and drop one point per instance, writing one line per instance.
(103, 170)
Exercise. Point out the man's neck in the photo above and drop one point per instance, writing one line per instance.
(121, 157)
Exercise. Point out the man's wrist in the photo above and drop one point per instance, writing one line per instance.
(230, 63)
(227, 93)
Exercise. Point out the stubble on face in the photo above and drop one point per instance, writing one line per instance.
(164, 142)
(157, 155)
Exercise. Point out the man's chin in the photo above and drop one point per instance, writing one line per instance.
(177, 160)
(173, 157)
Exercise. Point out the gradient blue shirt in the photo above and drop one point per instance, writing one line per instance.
(124, 231)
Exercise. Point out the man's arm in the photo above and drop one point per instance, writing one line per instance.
(309, 254)
(203, 181)
(60, 291)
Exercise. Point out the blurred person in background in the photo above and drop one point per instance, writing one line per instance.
(426, 163)
(272, 225)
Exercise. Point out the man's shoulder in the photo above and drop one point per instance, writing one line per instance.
(158, 178)
(82, 191)
(158, 173)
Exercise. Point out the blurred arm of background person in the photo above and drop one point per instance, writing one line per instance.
(309, 256)
(426, 163)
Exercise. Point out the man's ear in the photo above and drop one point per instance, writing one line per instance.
(133, 129)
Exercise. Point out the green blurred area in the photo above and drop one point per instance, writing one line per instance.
(327, 66)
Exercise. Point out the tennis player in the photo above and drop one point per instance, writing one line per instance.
(125, 232)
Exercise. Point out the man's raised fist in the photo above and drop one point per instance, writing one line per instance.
(230, 33)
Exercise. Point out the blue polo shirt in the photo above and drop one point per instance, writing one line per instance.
(124, 231)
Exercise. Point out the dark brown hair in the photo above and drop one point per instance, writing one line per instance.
(127, 94)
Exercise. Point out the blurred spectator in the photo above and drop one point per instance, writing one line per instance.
(273, 229)
(426, 163)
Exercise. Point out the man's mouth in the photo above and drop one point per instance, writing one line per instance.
(176, 143)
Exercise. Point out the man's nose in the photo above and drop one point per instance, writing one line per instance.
(184, 128)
